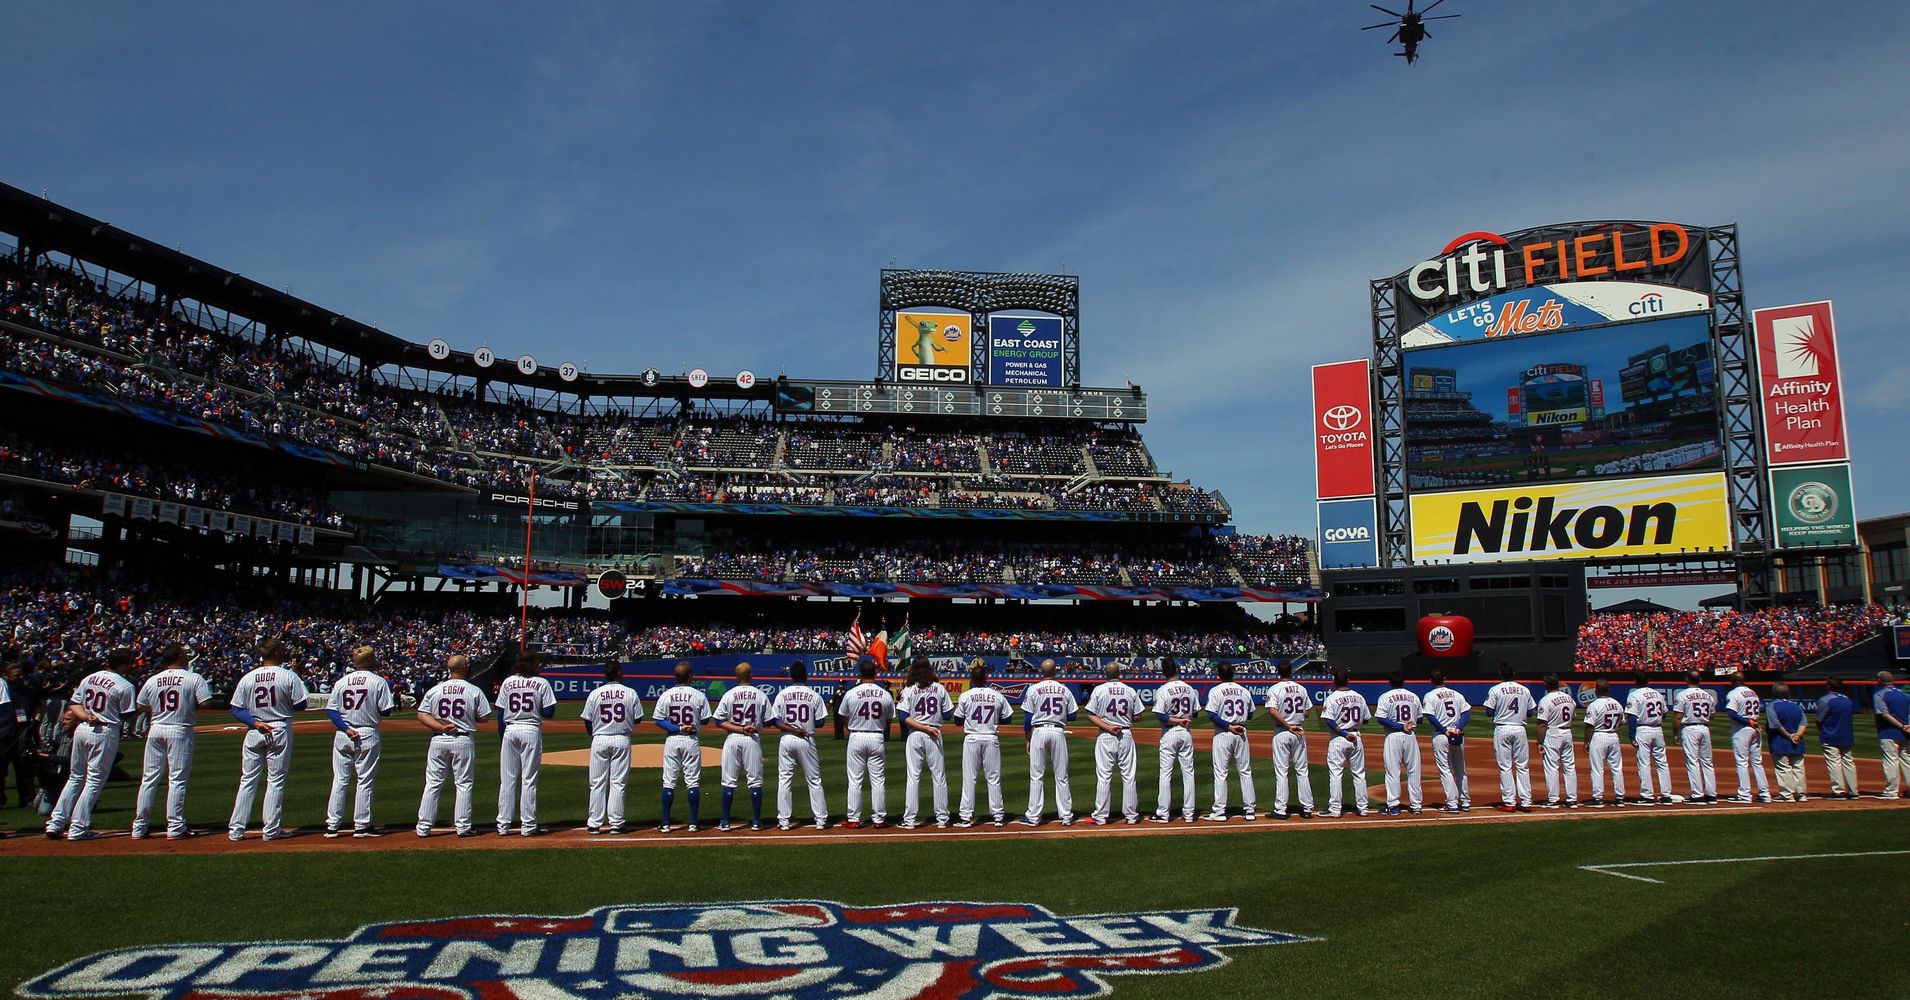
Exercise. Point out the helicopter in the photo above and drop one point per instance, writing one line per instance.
(1410, 29)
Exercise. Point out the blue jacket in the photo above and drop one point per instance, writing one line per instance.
(1896, 701)
(1833, 722)
(1788, 716)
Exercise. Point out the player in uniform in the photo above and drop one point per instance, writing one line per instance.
(681, 712)
(1559, 753)
(981, 710)
(922, 708)
(451, 710)
(1449, 712)
(1510, 703)
(524, 701)
(1046, 708)
(1344, 712)
(264, 701)
(1112, 708)
(1646, 708)
(99, 704)
(867, 708)
(1175, 703)
(1398, 712)
(742, 712)
(610, 714)
(171, 700)
(1229, 708)
(1288, 702)
(359, 702)
(1695, 706)
(797, 710)
(1601, 744)
(1747, 749)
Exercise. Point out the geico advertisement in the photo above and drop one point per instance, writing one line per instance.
(1578, 520)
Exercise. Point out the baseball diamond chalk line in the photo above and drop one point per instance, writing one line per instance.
(1607, 869)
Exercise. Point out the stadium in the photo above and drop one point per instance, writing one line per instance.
(342, 660)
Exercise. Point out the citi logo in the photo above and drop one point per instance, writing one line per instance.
(1341, 418)
(1357, 533)
(1481, 263)
(1648, 304)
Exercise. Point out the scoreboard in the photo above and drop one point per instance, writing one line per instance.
(964, 401)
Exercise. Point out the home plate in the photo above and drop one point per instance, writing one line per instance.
(641, 755)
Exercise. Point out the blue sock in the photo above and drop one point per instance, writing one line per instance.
(756, 805)
(696, 799)
(669, 795)
(729, 796)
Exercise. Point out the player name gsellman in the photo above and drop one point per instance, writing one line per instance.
(793, 948)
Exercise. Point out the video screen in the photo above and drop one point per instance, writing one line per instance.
(1618, 400)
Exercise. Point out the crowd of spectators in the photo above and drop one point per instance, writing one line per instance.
(1759, 640)
(122, 471)
(1278, 561)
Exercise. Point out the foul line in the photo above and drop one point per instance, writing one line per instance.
(1607, 869)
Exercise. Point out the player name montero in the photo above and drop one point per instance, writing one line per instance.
(1521, 526)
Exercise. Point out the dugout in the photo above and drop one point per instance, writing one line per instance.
(1528, 614)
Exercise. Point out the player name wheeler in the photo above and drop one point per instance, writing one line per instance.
(793, 948)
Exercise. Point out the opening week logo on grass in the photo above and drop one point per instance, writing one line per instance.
(787, 948)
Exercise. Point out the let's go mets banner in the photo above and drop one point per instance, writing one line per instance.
(1575, 520)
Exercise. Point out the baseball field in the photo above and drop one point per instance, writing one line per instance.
(1684, 901)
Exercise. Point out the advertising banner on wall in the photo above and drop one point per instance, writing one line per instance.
(1349, 533)
(1799, 380)
(1343, 430)
(1550, 308)
(1024, 350)
(1813, 506)
(932, 347)
(1573, 520)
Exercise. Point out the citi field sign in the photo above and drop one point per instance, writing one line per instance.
(1483, 263)
(799, 949)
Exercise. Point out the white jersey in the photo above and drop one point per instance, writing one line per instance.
(1603, 715)
(173, 696)
(799, 707)
(685, 707)
(1746, 703)
(613, 710)
(743, 705)
(1230, 703)
(1647, 705)
(1048, 703)
(107, 695)
(982, 710)
(1444, 706)
(1346, 709)
(1556, 710)
(1292, 699)
(457, 702)
(1696, 705)
(1509, 702)
(1399, 705)
(362, 698)
(867, 708)
(521, 700)
(929, 706)
(270, 693)
(1175, 699)
(1115, 703)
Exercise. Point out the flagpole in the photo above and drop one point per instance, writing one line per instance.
(524, 610)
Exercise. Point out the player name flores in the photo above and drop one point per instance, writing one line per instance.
(792, 948)
(1629, 517)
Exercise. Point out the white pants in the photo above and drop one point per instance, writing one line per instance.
(1449, 756)
(1561, 765)
(94, 748)
(1515, 765)
(1290, 764)
(868, 756)
(452, 757)
(1048, 753)
(1843, 770)
(353, 763)
(1115, 753)
(791, 752)
(1232, 753)
(922, 751)
(981, 755)
(1345, 756)
(742, 760)
(1607, 759)
(1401, 753)
(1747, 752)
(1896, 766)
(168, 759)
(1700, 772)
(1177, 752)
(1790, 777)
(518, 762)
(609, 777)
(682, 761)
(268, 758)
(1650, 747)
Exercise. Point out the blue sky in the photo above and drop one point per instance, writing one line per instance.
(717, 184)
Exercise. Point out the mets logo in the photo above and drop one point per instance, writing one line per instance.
(789, 948)
(1441, 638)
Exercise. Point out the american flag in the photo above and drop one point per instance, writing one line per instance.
(857, 644)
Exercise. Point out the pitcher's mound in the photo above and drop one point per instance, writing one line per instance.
(641, 755)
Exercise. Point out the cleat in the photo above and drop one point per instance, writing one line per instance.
(1766, 799)
(1449, 808)
(852, 824)
(1359, 810)
(614, 828)
(535, 831)
(877, 824)
(1415, 810)
(1747, 800)
(1664, 800)
(1248, 816)
(1598, 803)
(235, 837)
(181, 835)
(55, 834)
(822, 824)
(1551, 805)
(723, 827)
(1025, 821)
(1306, 813)
(331, 833)
(663, 828)
(1572, 804)
(756, 825)
(593, 830)
(1092, 821)
(963, 824)
(1215, 817)
(503, 831)
(1506, 809)
(690, 828)
(1000, 821)
(1068, 822)
(941, 824)
(1526, 808)
(1390, 810)
(907, 824)
(83, 836)
(1131, 820)
(422, 832)
(1159, 819)
(1465, 807)
(1331, 814)
(137, 835)
(367, 833)
(463, 834)
(783, 825)
(1279, 814)
(281, 835)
